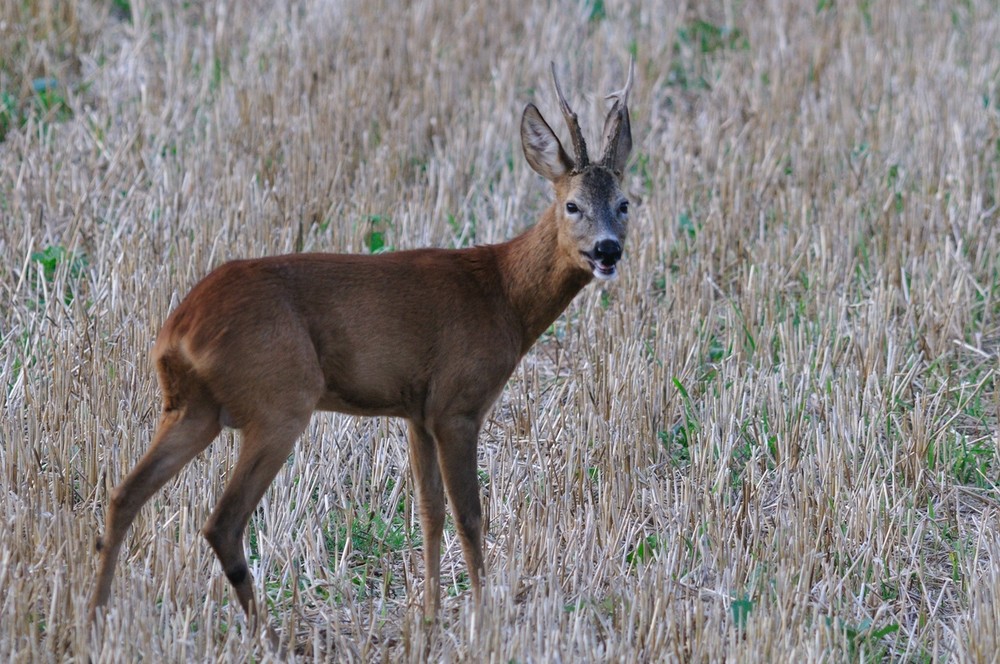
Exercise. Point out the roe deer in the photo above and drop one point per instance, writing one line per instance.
(430, 335)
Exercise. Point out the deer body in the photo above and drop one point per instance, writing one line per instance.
(430, 335)
(374, 357)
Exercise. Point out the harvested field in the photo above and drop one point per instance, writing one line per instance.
(773, 439)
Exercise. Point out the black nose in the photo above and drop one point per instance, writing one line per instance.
(607, 252)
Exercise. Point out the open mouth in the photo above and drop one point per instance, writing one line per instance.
(601, 270)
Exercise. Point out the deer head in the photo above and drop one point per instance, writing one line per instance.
(590, 207)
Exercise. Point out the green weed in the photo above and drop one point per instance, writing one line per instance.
(46, 264)
(644, 551)
(376, 236)
(697, 44)
(864, 640)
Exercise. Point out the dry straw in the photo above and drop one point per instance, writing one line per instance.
(773, 439)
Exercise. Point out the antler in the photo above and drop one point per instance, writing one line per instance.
(617, 129)
(622, 95)
(579, 145)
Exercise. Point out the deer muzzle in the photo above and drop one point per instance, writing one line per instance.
(604, 258)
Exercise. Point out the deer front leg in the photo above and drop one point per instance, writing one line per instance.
(430, 498)
(457, 439)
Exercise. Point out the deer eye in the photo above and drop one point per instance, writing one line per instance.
(571, 208)
(623, 207)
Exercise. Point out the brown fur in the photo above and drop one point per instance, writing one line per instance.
(430, 335)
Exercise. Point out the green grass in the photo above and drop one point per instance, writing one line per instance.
(772, 439)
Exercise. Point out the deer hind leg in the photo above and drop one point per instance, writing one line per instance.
(266, 446)
(430, 498)
(182, 433)
(457, 442)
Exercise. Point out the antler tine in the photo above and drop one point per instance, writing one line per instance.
(579, 145)
(622, 95)
(617, 132)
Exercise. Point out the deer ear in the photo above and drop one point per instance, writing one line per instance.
(541, 146)
(618, 129)
(617, 138)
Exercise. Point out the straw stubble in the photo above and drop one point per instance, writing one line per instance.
(773, 439)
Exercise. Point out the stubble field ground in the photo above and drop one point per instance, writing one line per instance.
(772, 439)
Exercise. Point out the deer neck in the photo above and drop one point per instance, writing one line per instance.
(539, 280)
